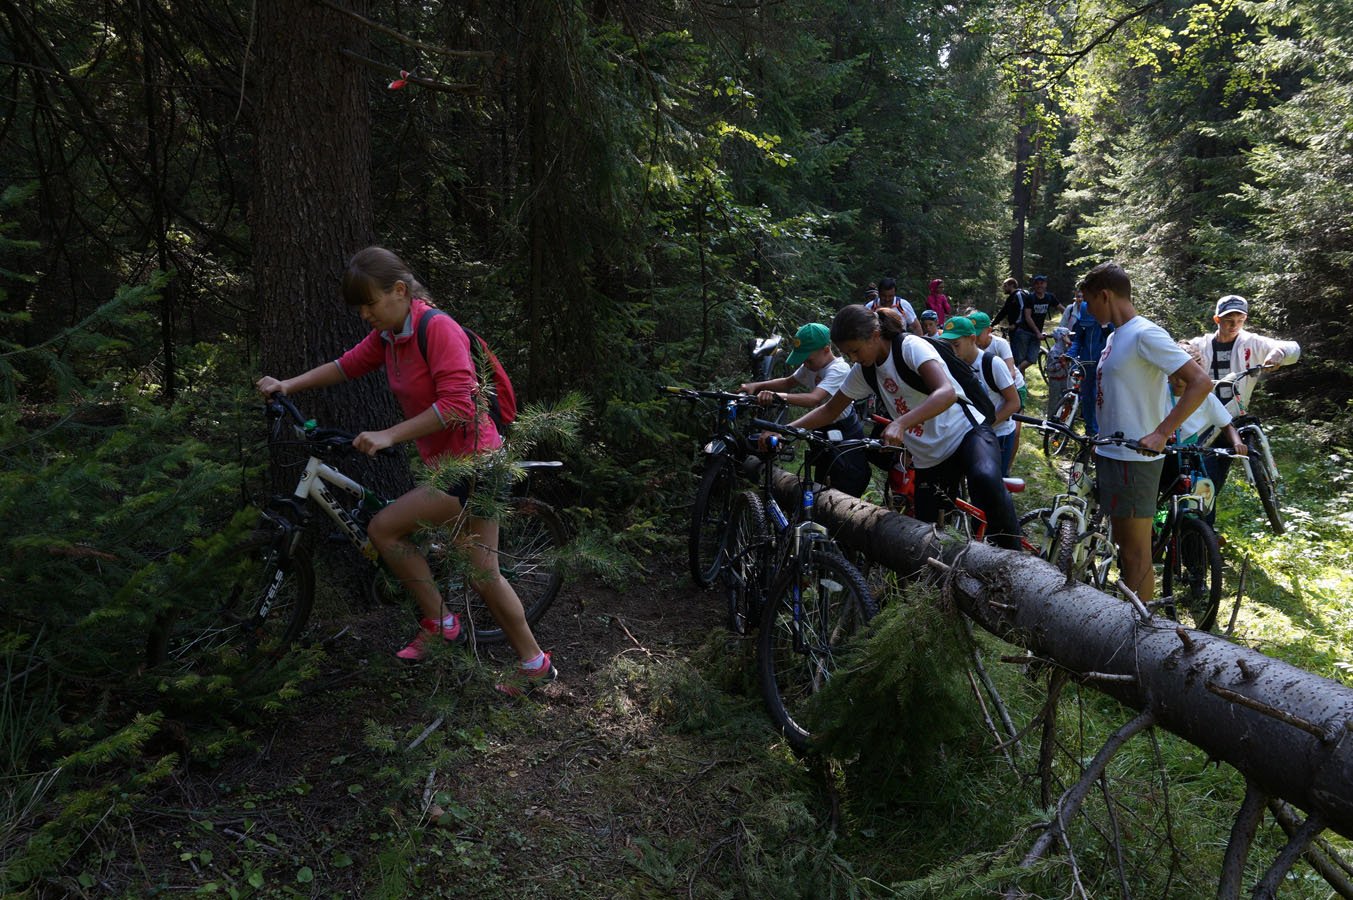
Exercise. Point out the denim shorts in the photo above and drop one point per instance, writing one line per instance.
(1024, 345)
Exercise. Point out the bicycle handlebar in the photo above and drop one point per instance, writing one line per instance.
(1251, 372)
(804, 434)
(280, 406)
(682, 393)
(1049, 425)
(1097, 440)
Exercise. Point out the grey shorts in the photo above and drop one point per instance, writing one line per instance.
(1128, 490)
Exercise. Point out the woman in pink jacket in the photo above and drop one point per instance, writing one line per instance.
(938, 301)
(436, 395)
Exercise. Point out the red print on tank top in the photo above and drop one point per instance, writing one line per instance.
(890, 386)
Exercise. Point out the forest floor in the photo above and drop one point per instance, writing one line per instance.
(394, 780)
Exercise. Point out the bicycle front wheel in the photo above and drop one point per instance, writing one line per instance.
(529, 539)
(1054, 442)
(709, 520)
(261, 610)
(1265, 484)
(1193, 573)
(810, 616)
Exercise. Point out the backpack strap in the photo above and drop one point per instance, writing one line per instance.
(988, 360)
(421, 332)
(871, 373)
(914, 379)
(478, 348)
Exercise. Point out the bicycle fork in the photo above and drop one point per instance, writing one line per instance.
(1262, 440)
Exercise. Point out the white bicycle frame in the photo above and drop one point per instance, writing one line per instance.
(314, 485)
(1254, 428)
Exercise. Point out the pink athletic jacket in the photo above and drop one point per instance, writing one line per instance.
(937, 301)
(446, 381)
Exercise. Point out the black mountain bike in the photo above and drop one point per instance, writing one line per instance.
(785, 570)
(723, 455)
(1184, 544)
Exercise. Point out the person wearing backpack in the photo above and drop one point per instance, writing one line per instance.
(430, 366)
(944, 429)
(996, 380)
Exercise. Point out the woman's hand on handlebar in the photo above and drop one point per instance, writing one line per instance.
(372, 442)
(267, 386)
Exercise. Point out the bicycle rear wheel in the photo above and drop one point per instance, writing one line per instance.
(709, 520)
(1193, 573)
(1265, 484)
(809, 618)
(748, 558)
(263, 606)
(529, 539)
(1036, 527)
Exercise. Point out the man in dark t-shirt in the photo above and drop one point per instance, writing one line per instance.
(1013, 308)
(1029, 327)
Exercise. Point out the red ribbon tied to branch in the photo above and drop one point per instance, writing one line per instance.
(399, 82)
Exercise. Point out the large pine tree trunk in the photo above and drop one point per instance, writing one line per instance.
(1285, 729)
(312, 205)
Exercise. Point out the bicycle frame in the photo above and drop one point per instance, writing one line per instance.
(314, 485)
(1246, 423)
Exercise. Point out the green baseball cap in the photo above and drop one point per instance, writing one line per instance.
(958, 327)
(809, 339)
(981, 321)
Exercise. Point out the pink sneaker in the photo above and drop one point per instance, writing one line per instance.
(427, 628)
(524, 681)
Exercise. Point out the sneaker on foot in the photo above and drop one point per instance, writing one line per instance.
(428, 628)
(524, 681)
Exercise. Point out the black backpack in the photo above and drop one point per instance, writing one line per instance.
(961, 372)
(989, 358)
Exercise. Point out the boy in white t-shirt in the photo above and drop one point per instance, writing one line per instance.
(987, 339)
(820, 373)
(1000, 385)
(1132, 399)
(1210, 424)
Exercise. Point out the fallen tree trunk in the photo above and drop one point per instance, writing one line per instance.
(1283, 728)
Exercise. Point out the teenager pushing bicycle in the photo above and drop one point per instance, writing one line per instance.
(1234, 357)
(930, 414)
(1132, 399)
(437, 390)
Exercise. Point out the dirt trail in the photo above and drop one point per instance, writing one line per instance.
(561, 794)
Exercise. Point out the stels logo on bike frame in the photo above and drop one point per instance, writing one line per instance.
(354, 527)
